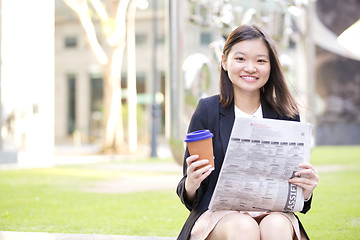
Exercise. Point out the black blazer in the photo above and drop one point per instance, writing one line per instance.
(210, 114)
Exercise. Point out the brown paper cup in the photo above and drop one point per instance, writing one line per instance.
(203, 148)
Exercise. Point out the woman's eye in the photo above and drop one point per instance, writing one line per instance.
(240, 59)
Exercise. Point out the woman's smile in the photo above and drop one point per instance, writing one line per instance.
(249, 78)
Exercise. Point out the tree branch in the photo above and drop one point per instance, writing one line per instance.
(100, 10)
(81, 8)
(120, 23)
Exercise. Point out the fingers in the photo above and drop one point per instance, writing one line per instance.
(193, 163)
(307, 179)
(307, 166)
(197, 171)
(204, 172)
(307, 171)
(198, 168)
(302, 182)
(194, 179)
(307, 185)
(191, 159)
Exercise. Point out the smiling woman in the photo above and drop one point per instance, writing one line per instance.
(251, 85)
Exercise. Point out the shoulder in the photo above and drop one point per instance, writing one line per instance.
(209, 104)
(206, 111)
(212, 100)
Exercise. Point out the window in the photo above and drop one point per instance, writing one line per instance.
(205, 38)
(140, 82)
(161, 39)
(70, 42)
(96, 106)
(96, 93)
(71, 103)
(140, 39)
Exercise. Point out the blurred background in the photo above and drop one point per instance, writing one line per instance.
(123, 77)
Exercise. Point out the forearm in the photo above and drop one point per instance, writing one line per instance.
(190, 193)
(188, 201)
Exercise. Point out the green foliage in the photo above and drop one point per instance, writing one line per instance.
(109, 26)
(191, 100)
(177, 149)
(140, 119)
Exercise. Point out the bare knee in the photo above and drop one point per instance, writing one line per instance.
(236, 226)
(276, 226)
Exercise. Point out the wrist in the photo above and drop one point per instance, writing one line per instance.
(307, 199)
(190, 194)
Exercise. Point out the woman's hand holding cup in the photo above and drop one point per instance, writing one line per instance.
(200, 163)
(197, 171)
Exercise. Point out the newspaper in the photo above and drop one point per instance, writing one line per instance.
(262, 155)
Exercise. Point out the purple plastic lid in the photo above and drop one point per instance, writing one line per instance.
(198, 135)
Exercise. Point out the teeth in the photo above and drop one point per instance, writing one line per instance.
(249, 78)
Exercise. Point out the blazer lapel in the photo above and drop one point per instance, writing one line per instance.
(227, 118)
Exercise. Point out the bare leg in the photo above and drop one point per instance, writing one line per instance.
(276, 226)
(235, 226)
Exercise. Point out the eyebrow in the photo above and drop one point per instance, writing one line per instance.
(260, 55)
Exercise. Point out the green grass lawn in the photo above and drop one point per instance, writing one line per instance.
(53, 200)
(335, 212)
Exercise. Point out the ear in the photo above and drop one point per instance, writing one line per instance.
(224, 62)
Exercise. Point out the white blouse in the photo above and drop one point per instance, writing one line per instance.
(240, 113)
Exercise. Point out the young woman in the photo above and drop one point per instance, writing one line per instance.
(252, 84)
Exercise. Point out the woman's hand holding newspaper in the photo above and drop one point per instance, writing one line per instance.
(307, 179)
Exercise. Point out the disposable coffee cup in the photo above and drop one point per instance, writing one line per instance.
(200, 143)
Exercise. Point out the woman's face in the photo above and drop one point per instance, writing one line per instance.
(248, 65)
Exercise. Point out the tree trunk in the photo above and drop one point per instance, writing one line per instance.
(131, 78)
(112, 62)
(114, 130)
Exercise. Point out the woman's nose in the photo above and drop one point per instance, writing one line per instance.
(250, 68)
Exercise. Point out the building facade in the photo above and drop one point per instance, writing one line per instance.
(78, 76)
(201, 27)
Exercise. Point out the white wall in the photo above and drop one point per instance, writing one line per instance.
(27, 78)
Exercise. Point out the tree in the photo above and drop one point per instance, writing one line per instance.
(112, 18)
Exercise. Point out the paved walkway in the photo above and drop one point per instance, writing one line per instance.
(5, 235)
